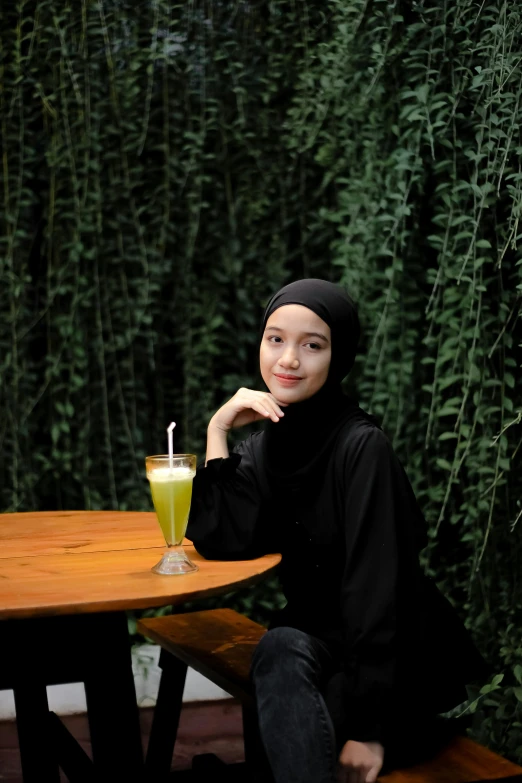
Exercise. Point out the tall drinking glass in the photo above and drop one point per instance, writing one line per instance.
(171, 489)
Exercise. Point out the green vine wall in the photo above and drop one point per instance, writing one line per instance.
(166, 166)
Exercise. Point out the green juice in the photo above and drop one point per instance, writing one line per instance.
(171, 494)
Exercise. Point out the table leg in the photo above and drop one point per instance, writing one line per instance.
(73, 760)
(111, 705)
(94, 649)
(34, 736)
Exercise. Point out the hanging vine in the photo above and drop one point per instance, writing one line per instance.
(166, 166)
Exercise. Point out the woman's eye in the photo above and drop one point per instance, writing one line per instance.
(314, 346)
(273, 338)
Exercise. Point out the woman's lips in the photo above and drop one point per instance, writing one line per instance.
(287, 380)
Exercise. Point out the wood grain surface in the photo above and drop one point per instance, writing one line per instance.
(93, 561)
(217, 643)
(462, 760)
(54, 532)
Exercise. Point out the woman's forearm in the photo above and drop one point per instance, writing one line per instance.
(216, 443)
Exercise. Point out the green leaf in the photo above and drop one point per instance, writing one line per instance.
(447, 410)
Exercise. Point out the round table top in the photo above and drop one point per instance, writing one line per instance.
(75, 562)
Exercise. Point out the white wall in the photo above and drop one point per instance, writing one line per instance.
(70, 699)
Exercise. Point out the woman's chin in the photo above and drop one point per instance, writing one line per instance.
(286, 396)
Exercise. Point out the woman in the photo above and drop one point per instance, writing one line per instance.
(367, 651)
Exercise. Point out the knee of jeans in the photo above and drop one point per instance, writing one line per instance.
(276, 646)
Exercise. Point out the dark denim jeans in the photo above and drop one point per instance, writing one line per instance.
(291, 672)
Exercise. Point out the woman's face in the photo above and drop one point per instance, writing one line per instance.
(295, 353)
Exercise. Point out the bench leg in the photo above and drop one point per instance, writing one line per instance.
(255, 756)
(34, 736)
(166, 716)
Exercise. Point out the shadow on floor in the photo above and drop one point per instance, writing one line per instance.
(213, 727)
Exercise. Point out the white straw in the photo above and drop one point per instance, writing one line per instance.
(171, 449)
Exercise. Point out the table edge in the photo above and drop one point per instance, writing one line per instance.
(124, 605)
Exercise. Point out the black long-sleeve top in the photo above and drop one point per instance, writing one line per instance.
(350, 573)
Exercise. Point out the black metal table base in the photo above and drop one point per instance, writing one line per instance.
(95, 650)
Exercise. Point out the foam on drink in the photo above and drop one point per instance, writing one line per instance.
(170, 474)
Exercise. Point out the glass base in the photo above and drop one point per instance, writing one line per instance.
(174, 561)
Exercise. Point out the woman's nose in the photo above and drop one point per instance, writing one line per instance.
(289, 359)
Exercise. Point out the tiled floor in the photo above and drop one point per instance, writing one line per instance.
(205, 727)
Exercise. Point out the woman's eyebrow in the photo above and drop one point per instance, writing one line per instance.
(305, 334)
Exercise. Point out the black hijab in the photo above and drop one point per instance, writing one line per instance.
(297, 446)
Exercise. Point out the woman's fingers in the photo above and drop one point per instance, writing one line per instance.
(270, 399)
(274, 407)
(262, 402)
(245, 406)
(266, 409)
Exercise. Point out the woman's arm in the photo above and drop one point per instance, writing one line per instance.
(226, 505)
(217, 446)
(226, 499)
(245, 407)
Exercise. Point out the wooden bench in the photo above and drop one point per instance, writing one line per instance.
(219, 643)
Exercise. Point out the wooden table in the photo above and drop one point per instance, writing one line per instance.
(66, 579)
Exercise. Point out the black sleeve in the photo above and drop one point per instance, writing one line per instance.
(380, 513)
(225, 508)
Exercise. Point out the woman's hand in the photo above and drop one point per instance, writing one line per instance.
(245, 407)
(360, 762)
